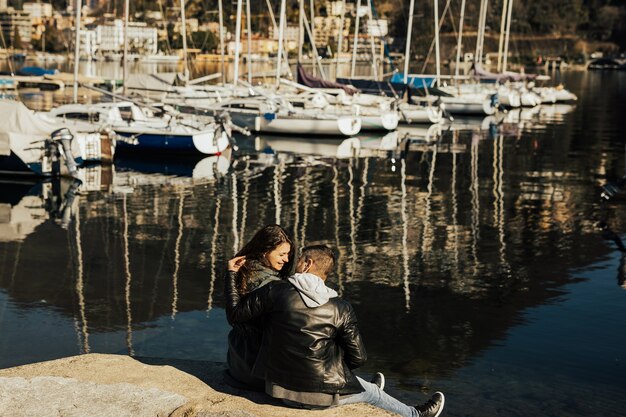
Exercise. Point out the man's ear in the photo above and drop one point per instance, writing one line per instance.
(308, 264)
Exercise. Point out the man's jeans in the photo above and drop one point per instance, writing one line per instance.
(379, 398)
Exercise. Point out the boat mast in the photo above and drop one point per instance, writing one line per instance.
(79, 5)
(371, 36)
(281, 29)
(249, 27)
(508, 33)
(312, 35)
(407, 51)
(221, 18)
(183, 33)
(505, 7)
(314, 48)
(300, 29)
(356, 38)
(340, 41)
(459, 44)
(237, 37)
(437, 54)
(481, 32)
(284, 51)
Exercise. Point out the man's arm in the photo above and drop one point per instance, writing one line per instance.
(253, 305)
(349, 338)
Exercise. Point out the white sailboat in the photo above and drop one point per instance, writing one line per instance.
(33, 144)
(144, 133)
(277, 115)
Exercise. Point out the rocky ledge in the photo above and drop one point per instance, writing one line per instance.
(116, 385)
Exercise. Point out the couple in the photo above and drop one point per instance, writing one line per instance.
(292, 336)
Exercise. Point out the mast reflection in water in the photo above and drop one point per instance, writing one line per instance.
(475, 262)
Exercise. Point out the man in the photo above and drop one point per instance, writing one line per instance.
(311, 341)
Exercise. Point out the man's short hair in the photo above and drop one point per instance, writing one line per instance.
(322, 256)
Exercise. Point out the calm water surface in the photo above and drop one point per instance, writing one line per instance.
(484, 265)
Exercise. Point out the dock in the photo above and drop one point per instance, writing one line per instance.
(18, 81)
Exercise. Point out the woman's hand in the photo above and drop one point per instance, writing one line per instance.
(236, 263)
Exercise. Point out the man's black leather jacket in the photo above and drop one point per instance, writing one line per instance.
(304, 349)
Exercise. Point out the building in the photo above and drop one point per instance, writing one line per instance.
(258, 47)
(377, 27)
(3, 4)
(141, 37)
(38, 10)
(290, 34)
(213, 27)
(88, 43)
(336, 8)
(16, 22)
(328, 27)
(191, 24)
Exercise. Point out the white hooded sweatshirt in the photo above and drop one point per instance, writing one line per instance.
(312, 289)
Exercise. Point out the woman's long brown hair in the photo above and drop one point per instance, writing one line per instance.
(264, 241)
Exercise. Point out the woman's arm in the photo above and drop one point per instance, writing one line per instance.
(242, 309)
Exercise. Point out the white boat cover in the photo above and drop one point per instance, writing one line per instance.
(152, 82)
(22, 131)
(5, 144)
(17, 118)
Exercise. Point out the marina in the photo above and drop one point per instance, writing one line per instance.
(475, 200)
(488, 240)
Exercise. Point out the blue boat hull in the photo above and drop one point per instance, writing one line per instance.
(157, 143)
(12, 164)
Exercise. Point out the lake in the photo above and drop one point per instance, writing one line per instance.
(485, 264)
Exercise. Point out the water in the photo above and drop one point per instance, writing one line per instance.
(478, 267)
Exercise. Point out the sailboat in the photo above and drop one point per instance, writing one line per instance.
(455, 99)
(33, 144)
(145, 133)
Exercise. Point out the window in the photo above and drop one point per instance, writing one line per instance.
(88, 117)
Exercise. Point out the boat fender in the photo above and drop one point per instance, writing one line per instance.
(269, 116)
(494, 100)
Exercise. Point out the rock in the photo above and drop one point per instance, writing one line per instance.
(45, 396)
(116, 385)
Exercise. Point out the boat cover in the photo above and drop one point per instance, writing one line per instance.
(5, 144)
(152, 82)
(482, 74)
(17, 118)
(385, 88)
(36, 71)
(422, 81)
(22, 131)
(314, 82)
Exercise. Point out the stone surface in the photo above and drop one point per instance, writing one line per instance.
(129, 383)
(45, 396)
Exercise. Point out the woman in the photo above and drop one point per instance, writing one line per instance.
(269, 256)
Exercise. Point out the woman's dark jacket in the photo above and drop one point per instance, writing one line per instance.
(304, 349)
(244, 340)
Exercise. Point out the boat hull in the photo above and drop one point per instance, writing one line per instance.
(203, 142)
(341, 126)
(415, 114)
(460, 106)
(385, 121)
(14, 165)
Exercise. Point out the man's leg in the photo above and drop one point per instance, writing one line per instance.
(379, 398)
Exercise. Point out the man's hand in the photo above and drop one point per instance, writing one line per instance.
(236, 263)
